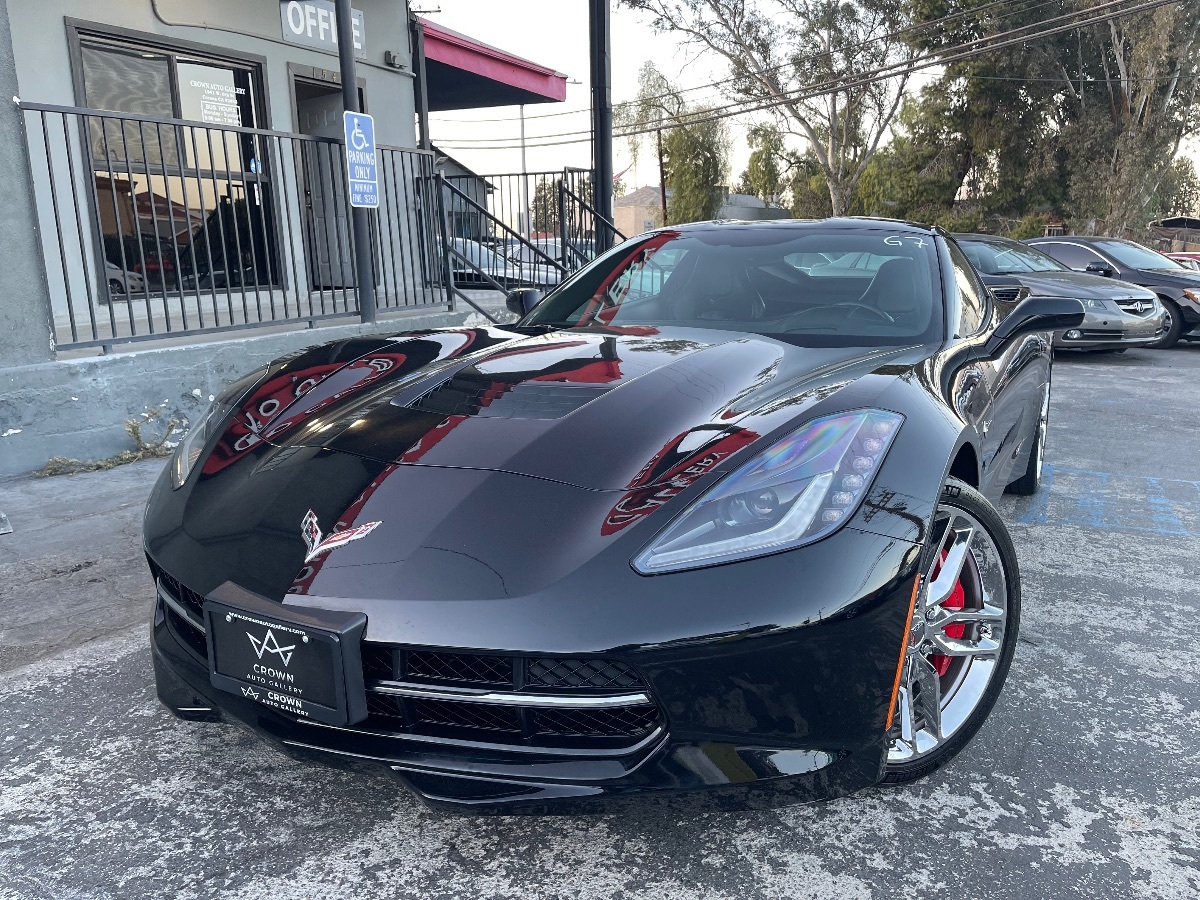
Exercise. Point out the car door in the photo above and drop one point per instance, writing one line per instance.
(1000, 395)
(1076, 256)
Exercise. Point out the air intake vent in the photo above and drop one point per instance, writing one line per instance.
(523, 400)
(1010, 294)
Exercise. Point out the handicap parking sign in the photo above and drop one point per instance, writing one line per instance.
(362, 174)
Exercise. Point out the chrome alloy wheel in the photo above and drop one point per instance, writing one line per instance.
(955, 639)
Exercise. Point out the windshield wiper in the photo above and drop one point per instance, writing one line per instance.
(530, 329)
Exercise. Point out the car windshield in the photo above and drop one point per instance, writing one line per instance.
(810, 285)
(1127, 253)
(1008, 258)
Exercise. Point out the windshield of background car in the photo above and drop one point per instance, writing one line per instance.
(812, 286)
(1136, 256)
(1003, 258)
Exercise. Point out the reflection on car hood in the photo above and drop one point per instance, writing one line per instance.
(1080, 286)
(605, 409)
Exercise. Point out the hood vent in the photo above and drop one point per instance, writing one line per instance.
(523, 400)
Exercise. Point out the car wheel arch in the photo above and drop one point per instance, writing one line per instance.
(965, 465)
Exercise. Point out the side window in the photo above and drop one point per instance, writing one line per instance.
(1071, 255)
(973, 299)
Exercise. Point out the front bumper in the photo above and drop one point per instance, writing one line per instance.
(1107, 330)
(773, 714)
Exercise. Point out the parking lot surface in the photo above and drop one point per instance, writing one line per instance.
(1084, 783)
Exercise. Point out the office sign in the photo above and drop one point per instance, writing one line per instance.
(313, 23)
(362, 175)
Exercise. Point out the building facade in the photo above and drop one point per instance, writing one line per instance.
(175, 174)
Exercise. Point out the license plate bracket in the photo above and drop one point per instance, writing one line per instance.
(303, 661)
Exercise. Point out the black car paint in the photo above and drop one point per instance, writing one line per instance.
(517, 538)
(1168, 284)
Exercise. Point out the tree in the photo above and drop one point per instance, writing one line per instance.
(1087, 122)
(657, 103)
(768, 160)
(543, 208)
(696, 162)
(691, 146)
(778, 51)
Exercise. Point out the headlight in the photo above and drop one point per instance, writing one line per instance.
(1096, 304)
(189, 449)
(192, 445)
(797, 491)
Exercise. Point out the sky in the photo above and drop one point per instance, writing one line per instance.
(554, 33)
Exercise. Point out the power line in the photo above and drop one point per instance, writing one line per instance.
(968, 50)
(918, 26)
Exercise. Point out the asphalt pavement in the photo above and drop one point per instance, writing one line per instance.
(1084, 783)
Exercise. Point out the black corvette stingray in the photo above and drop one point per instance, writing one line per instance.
(711, 516)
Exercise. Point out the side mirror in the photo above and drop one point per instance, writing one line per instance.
(1100, 268)
(1032, 315)
(523, 301)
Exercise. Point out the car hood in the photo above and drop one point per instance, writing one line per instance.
(604, 409)
(1080, 286)
(1176, 277)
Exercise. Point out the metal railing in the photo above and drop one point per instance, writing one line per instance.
(156, 227)
(531, 208)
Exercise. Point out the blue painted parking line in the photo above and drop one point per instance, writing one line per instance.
(1110, 502)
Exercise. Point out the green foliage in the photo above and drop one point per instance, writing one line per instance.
(776, 49)
(763, 176)
(1032, 225)
(1086, 122)
(697, 166)
(543, 206)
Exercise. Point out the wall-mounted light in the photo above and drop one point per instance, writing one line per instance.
(392, 59)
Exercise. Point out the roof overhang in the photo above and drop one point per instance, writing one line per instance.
(463, 73)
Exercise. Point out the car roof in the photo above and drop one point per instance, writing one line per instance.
(992, 238)
(847, 223)
(1077, 238)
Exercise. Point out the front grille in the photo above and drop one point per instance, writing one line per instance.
(583, 678)
(524, 400)
(385, 662)
(466, 668)
(581, 673)
(1131, 307)
(630, 721)
(1102, 334)
(187, 632)
(190, 599)
(586, 679)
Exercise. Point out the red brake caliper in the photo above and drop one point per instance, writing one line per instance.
(958, 599)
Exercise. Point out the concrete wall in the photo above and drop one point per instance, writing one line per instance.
(25, 304)
(77, 408)
(44, 71)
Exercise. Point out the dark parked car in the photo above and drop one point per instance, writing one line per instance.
(1120, 315)
(1177, 287)
(698, 521)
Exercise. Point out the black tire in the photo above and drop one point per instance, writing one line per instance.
(1030, 481)
(1174, 326)
(959, 496)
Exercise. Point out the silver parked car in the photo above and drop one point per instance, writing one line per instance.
(1120, 315)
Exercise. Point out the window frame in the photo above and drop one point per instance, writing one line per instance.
(79, 30)
(954, 316)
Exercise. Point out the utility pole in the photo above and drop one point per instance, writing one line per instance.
(526, 225)
(602, 149)
(360, 220)
(662, 178)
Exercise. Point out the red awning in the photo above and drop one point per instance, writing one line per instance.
(464, 73)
